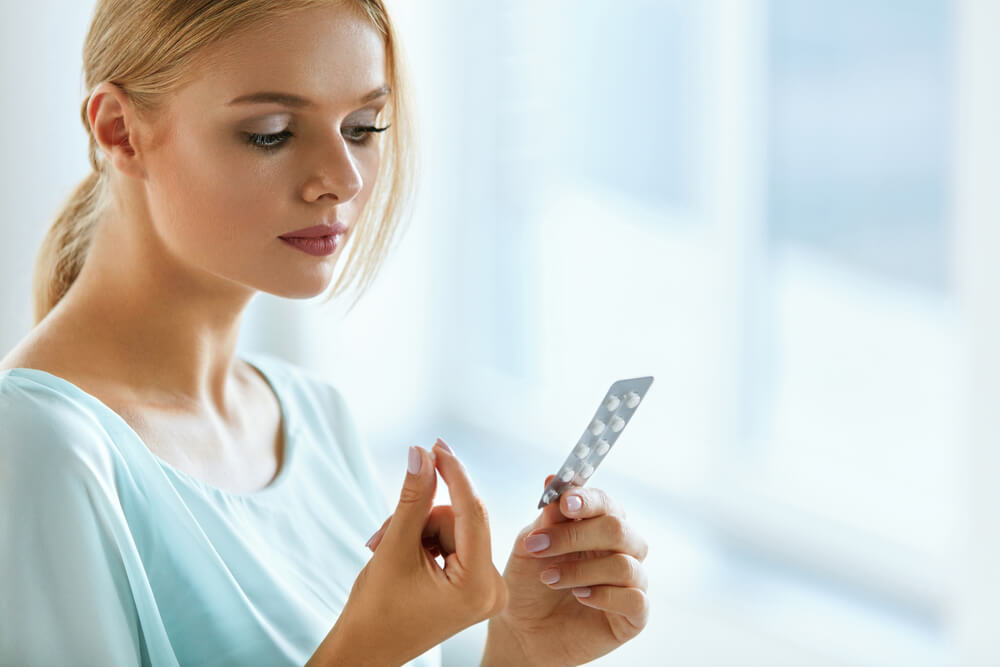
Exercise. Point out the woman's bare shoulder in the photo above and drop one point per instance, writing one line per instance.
(40, 349)
(44, 352)
(31, 352)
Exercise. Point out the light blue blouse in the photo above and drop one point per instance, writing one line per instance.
(110, 556)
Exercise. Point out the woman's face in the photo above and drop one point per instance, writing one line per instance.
(226, 178)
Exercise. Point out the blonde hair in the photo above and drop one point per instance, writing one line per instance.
(148, 48)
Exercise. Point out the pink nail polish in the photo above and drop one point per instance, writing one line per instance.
(550, 576)
(413, 465)
(537, 542)
(445, 446)
(583, 592)
(573, 502)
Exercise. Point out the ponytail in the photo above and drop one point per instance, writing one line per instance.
(65, 246)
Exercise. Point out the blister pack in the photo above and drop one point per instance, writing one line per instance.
(614, 412)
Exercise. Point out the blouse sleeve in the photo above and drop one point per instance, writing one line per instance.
(66, 597)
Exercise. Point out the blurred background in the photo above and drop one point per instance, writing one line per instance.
(787, 211)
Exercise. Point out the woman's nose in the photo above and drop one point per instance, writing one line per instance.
(336, 172)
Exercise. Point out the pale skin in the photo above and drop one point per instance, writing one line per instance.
(150, 328)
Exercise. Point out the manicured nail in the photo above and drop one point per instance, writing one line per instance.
(573, 502)
(551, 575)
(415, 459)
(371, 539)
(537, 542)
(445, 446)
(583, 592)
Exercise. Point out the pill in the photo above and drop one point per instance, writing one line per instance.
(632, 399)
(597, 427)
(586, 470)
(567, 475)
(581, 451)
(616, 423)
(612, 403)
(602, 447)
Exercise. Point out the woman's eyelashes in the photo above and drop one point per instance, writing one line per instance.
(360, 135)
(268, 142)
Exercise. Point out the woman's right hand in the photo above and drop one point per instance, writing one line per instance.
(403, 603)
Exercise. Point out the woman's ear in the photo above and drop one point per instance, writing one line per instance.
(115, 128)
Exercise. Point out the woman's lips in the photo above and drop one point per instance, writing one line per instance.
(317, 231)
(318, 240)
(318, 246)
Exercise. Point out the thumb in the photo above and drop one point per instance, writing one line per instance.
(415, 500)
(551, 514)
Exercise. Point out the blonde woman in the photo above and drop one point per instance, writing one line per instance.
(164, 502)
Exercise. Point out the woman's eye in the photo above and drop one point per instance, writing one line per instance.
(268, 142)
(363, 134)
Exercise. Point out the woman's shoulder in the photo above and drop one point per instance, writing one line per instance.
(46, 430)
(41, 400)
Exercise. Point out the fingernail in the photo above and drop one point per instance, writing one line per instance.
(445, 446)
(371, 539)
(536, 542)
(551, 575)
(574, 502)
(583, 592)
(414, 463)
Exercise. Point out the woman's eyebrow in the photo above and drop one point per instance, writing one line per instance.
(290, 100)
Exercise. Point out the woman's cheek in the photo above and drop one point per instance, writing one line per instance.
(369, 171)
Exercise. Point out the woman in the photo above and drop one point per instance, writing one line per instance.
(164, 502)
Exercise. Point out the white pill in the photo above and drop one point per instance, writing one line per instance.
(632, 399)
(602, 447)
(597, 427)
(616, 423)
(581, 451)
(612, 403)
(567, 475)
(586, 470)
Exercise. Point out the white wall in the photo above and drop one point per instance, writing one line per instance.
(977, 210)
(44, 143)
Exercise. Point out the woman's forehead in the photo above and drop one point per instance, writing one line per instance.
(328, 56)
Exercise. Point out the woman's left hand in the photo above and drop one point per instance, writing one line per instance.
(576, 585)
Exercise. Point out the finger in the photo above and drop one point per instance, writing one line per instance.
(415, 500)
(551, 513)
(614, 570)
(376, 537)
(440, 528)
(608, 532)
(631, 603)
(472, 527)
(581, 503)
